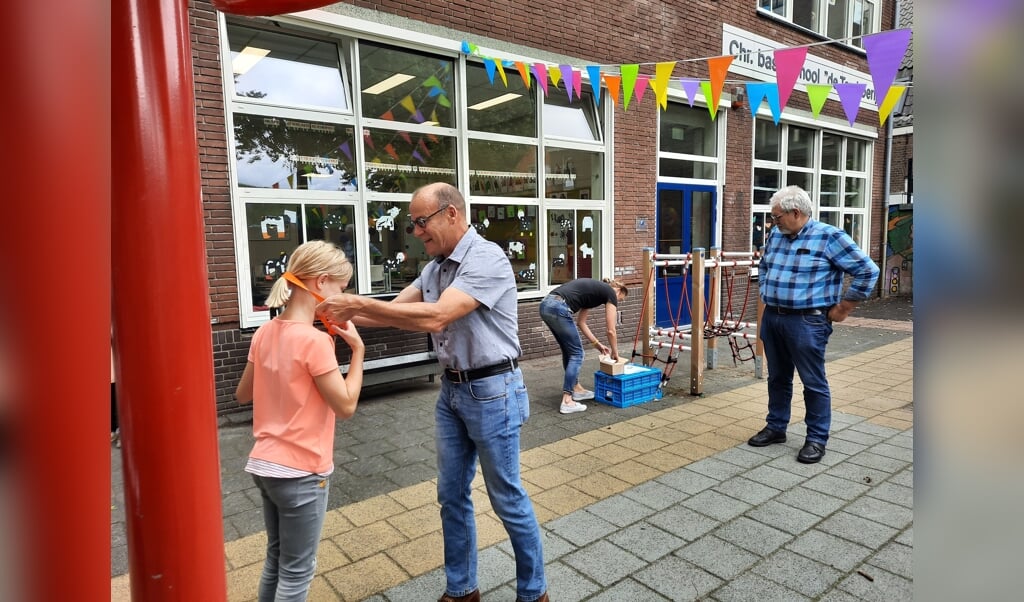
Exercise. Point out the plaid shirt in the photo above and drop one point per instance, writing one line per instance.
(807, 271)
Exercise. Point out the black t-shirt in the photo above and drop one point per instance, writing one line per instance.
(586, 293)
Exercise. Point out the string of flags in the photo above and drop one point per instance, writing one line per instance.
(884, 52)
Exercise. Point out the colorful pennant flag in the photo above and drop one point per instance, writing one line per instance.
(491, 67)
(850, 95)
(346, 149)
(712, 106)
(567, 75)
(641, 86)
(612, 83)
(577, 84)
(555, 75)
(541, 73)
(523, 73)
(717, 68)
(757, 92)
(817, 94)
(788, 63)
(629, 73)
(891, 98)
(885, 52)
(690, 87)
(594, 73)
(662, 74)
(389, 149)
(408, 104)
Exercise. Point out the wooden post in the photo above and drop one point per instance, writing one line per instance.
(647, 323)
(697, 323)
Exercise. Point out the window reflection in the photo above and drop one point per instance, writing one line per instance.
(403, 161)
(274, 230)
(573, 239)
(502, 169)
(576, 119)
(573, 174)
(336, 224)
(285, 69)
(293, 154)
(497, 109)
(514, 229)
(396, 255)
(406, 86)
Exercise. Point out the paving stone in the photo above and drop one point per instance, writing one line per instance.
(798, 573)
(429, 586)
(841, 420)
(837, 553)
(655, 495)
(903, 440)
(716, 505)
(857, 529)
(782, 516)
(774, 451)
(564, 584)
(741, 456)
(907, 537)
(494, 567)
(580, 527)
(677, 579)
(857, 437)
(790, 464)
(886, 587)
(838, 595)
(836, 486)
(604, 562)
(746, 490)
(880, 511)
(774, 477)
(810, 500)
(646, 541)
(749, 587)
(627, 590)
(718, 557)
(716, 469)
(895, 558)
(751, 535)
(683, 522)
(858, 474)
(893, 451)
(884, 432)
(905, 478)
(687, 481)
(844, 446)
(883, 463)
(620, 510)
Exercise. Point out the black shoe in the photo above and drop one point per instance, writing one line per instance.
(766, 437)
(811, 453)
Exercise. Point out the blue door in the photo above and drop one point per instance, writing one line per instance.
(685, 221)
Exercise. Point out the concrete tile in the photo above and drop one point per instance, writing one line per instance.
(628, 589)
(655, 495)
(904, 477)
(759, 538)
(741, 456)
(604, 562)
(774, 477)
(746, 490)
(426, 587)
(564, 584)
(857, 436)
(677, 579)
(790, 464)
(895, 558)
(858, 474)
(882, 463)
(365, 578)
(663, 461)
(580, 527)
(418, 521)
(364, 542)
(716, 469)
(880, 511)
(810, 500)
(838, 595)
(843, 446)
(620, 510)
(906, 538)
(872, 429)
(829, 549)
(857, 529)
(716, 505)
(749, 587)
(371, 510)
(836, 486)
(886, 587)
(718, 557)
(798, 573)
(562, 500)
(494, 568)
(687, 481)
(781, 516)
(683, 522)
(632, 472)
(600, 485)
(646, 541)
(419, 555)
(893, 451)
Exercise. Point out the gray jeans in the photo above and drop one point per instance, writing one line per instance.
(293, 511)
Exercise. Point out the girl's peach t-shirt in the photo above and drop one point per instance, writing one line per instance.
(292, 423)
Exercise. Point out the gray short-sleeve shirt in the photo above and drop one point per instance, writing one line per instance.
(490, 333)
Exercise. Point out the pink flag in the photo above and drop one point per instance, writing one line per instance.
(788, 63)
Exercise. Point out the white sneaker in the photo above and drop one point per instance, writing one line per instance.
(583, 395)
(571, 409)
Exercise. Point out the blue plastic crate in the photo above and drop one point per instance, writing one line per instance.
(637, 384)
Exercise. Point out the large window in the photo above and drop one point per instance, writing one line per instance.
(836, 19)
(332, 134)
(687, 143)
(832, 168)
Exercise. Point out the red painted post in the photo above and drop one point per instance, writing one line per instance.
(161, 310)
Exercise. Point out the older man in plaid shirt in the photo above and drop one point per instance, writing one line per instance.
(801, 279)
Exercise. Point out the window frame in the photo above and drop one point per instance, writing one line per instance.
(783, 10)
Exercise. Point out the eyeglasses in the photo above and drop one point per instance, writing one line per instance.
(422, 221)
(775, 218)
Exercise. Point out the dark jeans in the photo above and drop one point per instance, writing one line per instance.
(796, 341)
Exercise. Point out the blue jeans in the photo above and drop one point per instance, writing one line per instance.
(797, 341)
(482, 418)
(293, 511)
(557, 315)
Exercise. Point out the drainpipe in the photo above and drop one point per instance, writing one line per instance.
(885, 196)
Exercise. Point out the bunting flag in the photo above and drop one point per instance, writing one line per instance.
(368, 139)
(435, 91)
(523, 73)
(408, 104)
(690, 87)
(388, 115)
(555, 75)
(788, 63)
(405, 136)
(416, 155)
(423, 145)
(501, 73)
(567, 75)
(389, 149)
(817, 94)
(594, 73)
(541, 73)
(346, 150)
(491, 67)
(641, 86)
(418, 117)
(612, 82)
(629, 73)
(717, 68)
(443, 101)
(850, 95)
(891, 98)
(760, 91)
(712, 106)
(662, 74)
(885, 52)
(577, 84)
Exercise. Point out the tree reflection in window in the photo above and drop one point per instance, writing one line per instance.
(295, 154)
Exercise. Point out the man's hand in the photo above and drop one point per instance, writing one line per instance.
(840, 311)
(341, 307)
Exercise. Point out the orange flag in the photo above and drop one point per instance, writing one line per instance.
(612, 81)
(717, 68)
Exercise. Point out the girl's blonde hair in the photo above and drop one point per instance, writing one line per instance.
(617, 285)
(309, 260)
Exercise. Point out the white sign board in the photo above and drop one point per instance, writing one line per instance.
(761, 65)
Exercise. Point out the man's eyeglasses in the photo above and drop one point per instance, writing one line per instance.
(422, 221)
(775, 218)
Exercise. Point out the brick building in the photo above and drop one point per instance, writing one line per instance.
(321, 124)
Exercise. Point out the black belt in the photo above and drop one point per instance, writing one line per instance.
(813, 311)
(464, 376)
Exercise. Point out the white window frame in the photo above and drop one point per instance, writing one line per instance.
(784, 10)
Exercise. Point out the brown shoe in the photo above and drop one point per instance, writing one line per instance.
(473, 596)
(543, 598)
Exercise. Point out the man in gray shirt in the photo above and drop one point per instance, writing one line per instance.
(466, 299)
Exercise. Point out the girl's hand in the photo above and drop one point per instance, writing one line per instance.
(347, 331)
(603, 349)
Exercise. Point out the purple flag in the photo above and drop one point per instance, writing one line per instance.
(885, 51)
(567, 72)
(849, 96)
(690, 86)
(345, 149)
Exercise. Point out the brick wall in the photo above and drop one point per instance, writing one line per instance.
(620, 32)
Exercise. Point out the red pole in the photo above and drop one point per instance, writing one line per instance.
(161, 310)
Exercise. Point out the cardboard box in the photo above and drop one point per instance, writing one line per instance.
(610, 366)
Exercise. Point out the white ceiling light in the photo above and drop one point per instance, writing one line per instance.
(497, 100)
(391, 82)
(249, 56)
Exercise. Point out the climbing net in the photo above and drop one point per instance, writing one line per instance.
(730, 278)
